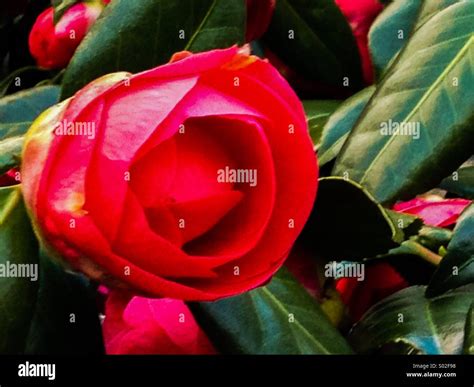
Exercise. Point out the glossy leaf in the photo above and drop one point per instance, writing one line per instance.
(427, 90)
(317, 114)
(460, 182)
(341, 122)
(17, 294)
(393, 28)
(280, 318)
(468, 347)
(348, 224)
(65, 320)
(10, 153)
(430, 326)
(135, 35)
(313, 38)
(457, 266)
(44, 310)
(19, 110)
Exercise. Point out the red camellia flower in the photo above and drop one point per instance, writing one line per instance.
(189, 181)
(144, 326)
(259, 14)
(52, 45)
(360, 14)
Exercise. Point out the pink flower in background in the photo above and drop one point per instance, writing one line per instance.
(360, 14)
(435, 211)
(146, 326)
(52, 45)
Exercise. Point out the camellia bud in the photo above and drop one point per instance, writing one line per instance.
(259, 14)
(52, 45)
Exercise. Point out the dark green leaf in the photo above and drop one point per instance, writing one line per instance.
(409, 224)
(460, 182)
(457, 266)
(65, 320)
(341, 122)
(427, 242)
(17, 294)
(280, 318)
(6, 83)
(10, 153)
(135, 35)
(348, 224)
(434, 237)
(322, 48)
(393, 28)
(468, 347)
(317, 114)
(398, 348)
(61, 6)
(433, 326)
(36, 305)
(17, 111)
(428, 90)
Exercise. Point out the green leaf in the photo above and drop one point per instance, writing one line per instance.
(348, 224)
(468, 347)
(314, 39)
(460, 182)
(18, 246)
(317, 114)
(391, 30)
(341, 122)
(457, 266)
(65, 320)
(136, 35)
(60, 7)
(10, 78)
(37, 304)
(19, 110)
(10, 153)
(409, 224)
(427, 90)
(280, 318)
(432, 326)
(434, 237)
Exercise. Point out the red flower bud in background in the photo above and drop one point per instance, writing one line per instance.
(11, 177)
(259, 14)
(52, 46)
(145, 168)
(143, 326)
(360, 14)
(381, 280)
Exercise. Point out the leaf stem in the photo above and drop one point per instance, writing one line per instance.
(421, 251)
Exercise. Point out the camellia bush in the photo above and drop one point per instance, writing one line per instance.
(236, 177)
